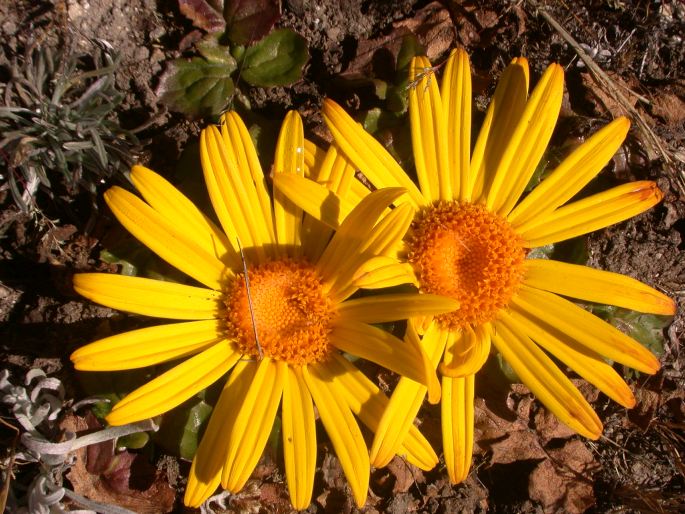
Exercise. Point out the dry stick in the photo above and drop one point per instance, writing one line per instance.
(9, 463)
(605, 82)
(249, 300)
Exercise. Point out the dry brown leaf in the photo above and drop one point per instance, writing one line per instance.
(601, 100)
(125, 479)
(405, 475)
(563, 483)
(670, 107)
(549, 427)
(431, 25)
(508, 441)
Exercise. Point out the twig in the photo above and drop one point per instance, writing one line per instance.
(249, 301)
(652, 144)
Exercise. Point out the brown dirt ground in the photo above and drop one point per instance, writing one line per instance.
(525, 461)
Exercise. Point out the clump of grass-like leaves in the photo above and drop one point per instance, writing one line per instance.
(58, 130)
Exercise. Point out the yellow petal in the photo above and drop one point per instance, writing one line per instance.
(337, 174)
(208, 464)
(353, 233)
(385, 238)
(149, 297)
(588, 364)
(315, 199)
(176, 385)
(369, 404)
(393, 307)
(591, 213)
(289, 159)
(455, 91)
(251, 422)
(315, 236)
(366, 153)
(299, 438)
(358, 190)
(342, 429)
(405, 401)
(148, 346)
(371, 343)
(314, 157)
(545, 380)
(562, 316)
(162, 237)
(240, 218)
(428, 131)
(457, 408)
(501, 119)
(528, 142)
(597, 286)
(182, 213)
(379, 272)
(240, 148)
(574, 172)
(467, 352)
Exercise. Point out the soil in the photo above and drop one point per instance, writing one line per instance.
(525, 461)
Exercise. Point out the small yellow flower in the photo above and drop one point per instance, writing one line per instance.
(280, 332)
(470, 239)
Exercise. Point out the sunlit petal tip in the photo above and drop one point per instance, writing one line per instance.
(140, 172)
(330, 107)
(113, 194)
(648, 190)
(667, 306)
(197, 491)
(627, 399)
(225, 116)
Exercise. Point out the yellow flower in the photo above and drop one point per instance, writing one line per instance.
(280, 331)
(470, 239)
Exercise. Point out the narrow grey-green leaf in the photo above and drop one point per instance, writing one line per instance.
(276, 60)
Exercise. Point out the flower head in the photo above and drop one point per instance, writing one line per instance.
(273, 309)
(471, 235)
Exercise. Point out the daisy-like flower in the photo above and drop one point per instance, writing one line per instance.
(280, 331)
(470, 239)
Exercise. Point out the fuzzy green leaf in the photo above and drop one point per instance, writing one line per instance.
(198, 87)
(276, 60)
(647, 329)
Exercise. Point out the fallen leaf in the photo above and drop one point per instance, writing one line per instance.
(563, 483)
(432, 27)
(670, 107)
(405, 475)
(204, 14)
(549, 427)
(602, 100)
(506, 441)
(125, 479)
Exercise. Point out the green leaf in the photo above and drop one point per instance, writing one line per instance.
(276, 60)
(182, 428)
(133, 441)
(200, 86)
(647, 329)
(410, 48)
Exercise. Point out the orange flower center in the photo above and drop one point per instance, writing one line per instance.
(286, 307)
(466, 252)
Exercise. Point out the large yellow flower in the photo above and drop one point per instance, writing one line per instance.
(470, 239)
(281, 330)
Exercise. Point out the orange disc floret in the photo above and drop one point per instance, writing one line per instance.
(292, 315)
(466, 252)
